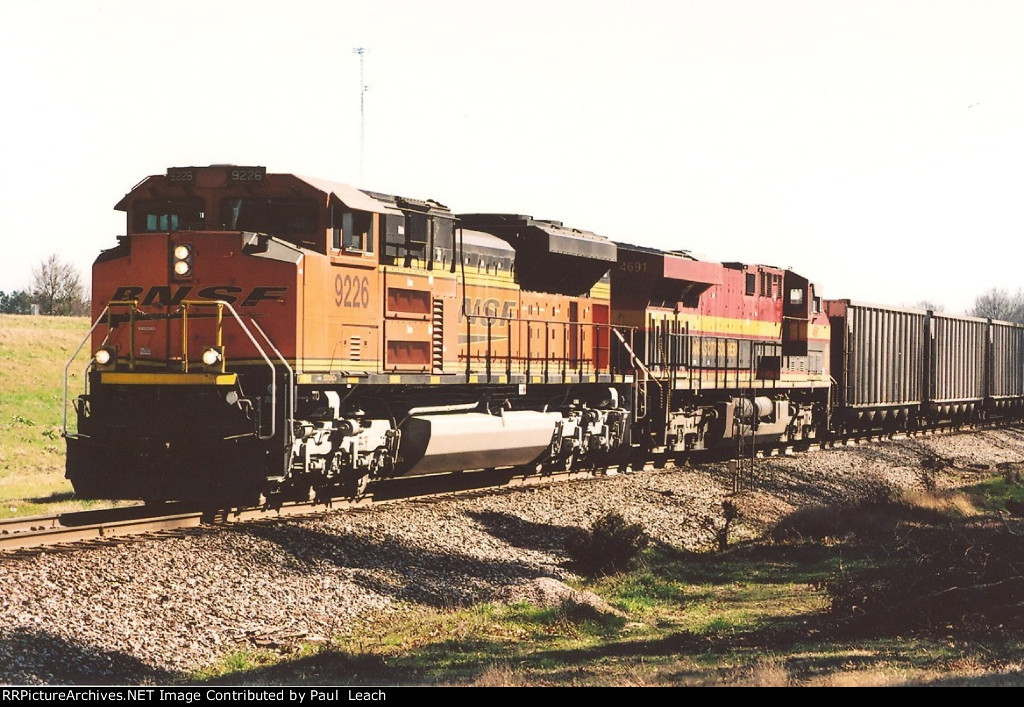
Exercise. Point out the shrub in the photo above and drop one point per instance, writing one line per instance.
(935, 568)
(611, 545)
(730, 512)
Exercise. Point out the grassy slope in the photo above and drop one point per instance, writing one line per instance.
(33, 351)
(757, 614)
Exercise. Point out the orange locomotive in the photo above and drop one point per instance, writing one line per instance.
(264, 334)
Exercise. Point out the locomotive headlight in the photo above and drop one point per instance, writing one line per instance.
(181, 260)
(105, 357)
(213, 358)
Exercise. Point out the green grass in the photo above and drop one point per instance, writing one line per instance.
(681, 620)
(994, 492)
(757, 614)
(33, 352)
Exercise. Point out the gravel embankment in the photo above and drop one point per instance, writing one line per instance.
(152, 610)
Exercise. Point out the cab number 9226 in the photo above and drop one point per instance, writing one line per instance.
(352, 291)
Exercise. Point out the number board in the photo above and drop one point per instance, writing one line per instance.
(248, 174)
(181, 174)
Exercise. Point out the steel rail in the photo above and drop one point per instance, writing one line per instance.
(85, 529)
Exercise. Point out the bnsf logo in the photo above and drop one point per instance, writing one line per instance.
(161, 296)
(488, 308)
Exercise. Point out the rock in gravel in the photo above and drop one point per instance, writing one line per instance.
(551, 592)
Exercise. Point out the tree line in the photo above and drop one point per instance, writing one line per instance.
(56, 289)
(998, 303)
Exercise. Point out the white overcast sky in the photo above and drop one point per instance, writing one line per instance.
(876, 147)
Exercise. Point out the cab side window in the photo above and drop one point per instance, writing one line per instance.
(351, 230)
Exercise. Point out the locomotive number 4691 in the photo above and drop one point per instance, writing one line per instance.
(352, 291)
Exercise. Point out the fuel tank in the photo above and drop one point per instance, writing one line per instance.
(433, 444)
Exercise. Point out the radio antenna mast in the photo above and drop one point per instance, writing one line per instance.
(363, 88)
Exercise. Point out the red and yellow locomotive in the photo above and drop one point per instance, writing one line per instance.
(264, 333)
(731, 352)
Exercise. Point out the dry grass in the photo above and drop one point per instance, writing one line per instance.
(33, 352)
(860, 678)
(951, 502)
(766, 672)
(498, 676)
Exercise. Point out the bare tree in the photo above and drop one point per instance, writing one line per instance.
(57, 287)
(929, 305)
(997, 303)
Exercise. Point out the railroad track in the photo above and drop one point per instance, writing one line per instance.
(84, 529)
(105, 526)
(68, 531)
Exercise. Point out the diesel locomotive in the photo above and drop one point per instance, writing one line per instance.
(260, 334)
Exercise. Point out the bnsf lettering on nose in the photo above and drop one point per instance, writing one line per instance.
(163, 296)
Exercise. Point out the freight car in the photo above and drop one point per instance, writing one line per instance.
(261, 334)
(904, 369)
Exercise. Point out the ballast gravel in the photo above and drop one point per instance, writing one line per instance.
(157, 610)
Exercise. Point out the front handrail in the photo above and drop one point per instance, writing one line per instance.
(221, 304)
(291, 381)
(88, 335)
(184, 306)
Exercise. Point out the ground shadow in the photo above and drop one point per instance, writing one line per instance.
(55, 497)
(521, 533)
(40, 657)
(392, 566)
